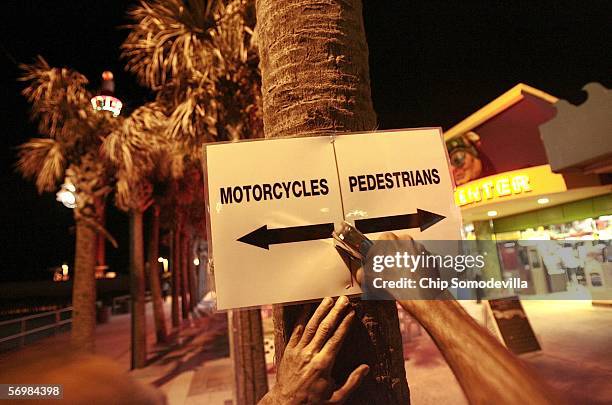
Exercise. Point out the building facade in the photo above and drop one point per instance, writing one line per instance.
(509, 193)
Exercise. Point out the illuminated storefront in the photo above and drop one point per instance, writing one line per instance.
(507, 191)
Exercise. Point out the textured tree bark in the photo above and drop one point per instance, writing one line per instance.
(314, 62)
(101, 239)
(193, 286)
(161, 331)
(176, 277)
(82, 336)
(137, 290)
(315, 80)
(249, 359)
(184, 254)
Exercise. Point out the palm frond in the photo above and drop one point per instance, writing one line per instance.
(202, 59)
(42, 160)
(194, 116)
(132, 195)
(171, 163)
(58, 96)
(136, 144)
(169, 37)
(122, 193)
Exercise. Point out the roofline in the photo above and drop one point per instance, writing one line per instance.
(500, 104)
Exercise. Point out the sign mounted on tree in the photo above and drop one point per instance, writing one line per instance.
(272, 205)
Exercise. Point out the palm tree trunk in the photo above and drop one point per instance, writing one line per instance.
(184, 254)
(315, 80)
(161, 331)
(82, 336)
(176, 277)
(137, 290)
(248, 354)
(193, 286)
(101, 239)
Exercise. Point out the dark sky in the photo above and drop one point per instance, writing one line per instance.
(432, 63)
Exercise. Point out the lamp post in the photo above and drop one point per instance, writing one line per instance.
(106, 100)
(66, 194)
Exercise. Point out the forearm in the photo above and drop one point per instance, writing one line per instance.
(269, 399)
(485, 369)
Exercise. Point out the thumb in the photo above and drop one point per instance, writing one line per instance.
(359, 276)
(352, 382)
(388, 236)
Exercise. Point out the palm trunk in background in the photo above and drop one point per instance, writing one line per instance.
(315, 80)
(184, 254)
(137, 290)
(193, 284)
(161, 331)
(101, 239)
(176, 277)
(248, 354)
(82, 335)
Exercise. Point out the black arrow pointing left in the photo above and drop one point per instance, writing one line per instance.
(264, 237)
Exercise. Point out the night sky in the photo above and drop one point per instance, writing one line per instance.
(432, 63)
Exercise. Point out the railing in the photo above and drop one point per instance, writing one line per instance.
(24, 332)
(121, 303)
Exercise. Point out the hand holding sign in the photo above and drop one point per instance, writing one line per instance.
(379, 278)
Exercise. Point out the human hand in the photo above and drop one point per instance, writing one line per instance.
(304, 374)
(389, 244)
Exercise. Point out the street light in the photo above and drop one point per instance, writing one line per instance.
(164, 263)
(66, 194)
(106, 101)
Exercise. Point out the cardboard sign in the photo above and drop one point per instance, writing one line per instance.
(506, 318)
(272, 206)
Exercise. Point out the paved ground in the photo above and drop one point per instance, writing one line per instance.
(198, 370)
(576, 357)
(195, 368)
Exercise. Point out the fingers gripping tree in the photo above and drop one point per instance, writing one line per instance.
(315, 80)
(69, 151)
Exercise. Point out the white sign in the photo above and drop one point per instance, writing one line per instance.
(272, 206)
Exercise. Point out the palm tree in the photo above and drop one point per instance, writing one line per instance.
(197, 231)
(188, 213)
(140, 152)
(69, 150)
(139, 201)
(159, 316)
(190, 204)
(201, 58)
(315, 80)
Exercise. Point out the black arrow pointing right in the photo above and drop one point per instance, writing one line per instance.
(421, 219)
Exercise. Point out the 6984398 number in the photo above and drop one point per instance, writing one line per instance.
(25, 391)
